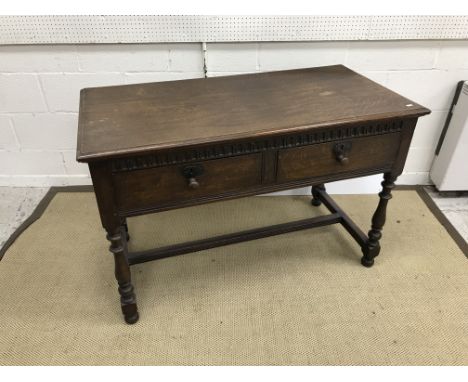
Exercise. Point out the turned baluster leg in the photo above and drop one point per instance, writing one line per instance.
(315, 198)
(122, 274)
(372, 248)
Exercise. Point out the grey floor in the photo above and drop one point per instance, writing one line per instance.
(454, 206)
(17, 203)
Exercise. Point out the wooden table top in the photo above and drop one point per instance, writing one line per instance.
(116, 120)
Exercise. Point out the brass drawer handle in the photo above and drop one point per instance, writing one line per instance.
(191, 172)
(341, 151)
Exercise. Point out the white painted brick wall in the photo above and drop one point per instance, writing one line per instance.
(123, 58)
(185, 58)
(452, 55)
(39, 99)
(392, 55)
(432, 88)
(135, 78)
(31, 162)
(38, 58)
(20, 92)
(39, 90)
(8, 139)
(72, 167)
(232, 57)
(34, 131)
(62, 90)
(282, 56)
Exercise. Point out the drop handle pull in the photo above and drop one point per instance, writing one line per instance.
(342, 158)
(193, 183)
(190, 173)
(341, 151)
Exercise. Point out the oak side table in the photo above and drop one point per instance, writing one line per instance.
(159, 146)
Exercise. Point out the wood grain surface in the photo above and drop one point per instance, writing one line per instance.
(137, 118)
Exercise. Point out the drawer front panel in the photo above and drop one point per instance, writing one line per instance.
(337, 157)
(144, 189)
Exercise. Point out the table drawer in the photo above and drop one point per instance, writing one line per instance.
(337, 157)
(159, 186)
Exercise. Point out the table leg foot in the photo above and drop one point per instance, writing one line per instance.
(128, 303)
(369, 251)
(315, 196)
(367, 262)
(132, 319)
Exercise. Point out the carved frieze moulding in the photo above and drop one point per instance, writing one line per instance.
(315, 136)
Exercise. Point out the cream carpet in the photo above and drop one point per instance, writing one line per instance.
(295, 299)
